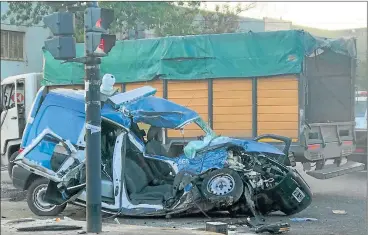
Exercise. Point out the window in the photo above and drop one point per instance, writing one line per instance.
(8, 92)
(12, 45)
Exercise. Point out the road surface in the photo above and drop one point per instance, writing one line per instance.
(347, 193)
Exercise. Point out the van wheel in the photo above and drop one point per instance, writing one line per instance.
(35, 199)
(223, 183)
(11, 164)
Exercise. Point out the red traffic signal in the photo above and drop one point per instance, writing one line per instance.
(99, 44)
(98, 19)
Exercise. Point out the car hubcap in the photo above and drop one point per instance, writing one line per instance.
(39, 201)
(221, 184)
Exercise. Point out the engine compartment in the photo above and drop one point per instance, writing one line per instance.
(271, 185)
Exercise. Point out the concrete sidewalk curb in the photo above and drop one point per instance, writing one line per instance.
(8, 227)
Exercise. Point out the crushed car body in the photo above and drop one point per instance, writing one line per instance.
(140, 176)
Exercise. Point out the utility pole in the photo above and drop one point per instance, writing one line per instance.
(98, 43)
(93, 137)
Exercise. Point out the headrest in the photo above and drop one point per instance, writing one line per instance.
(154, 133)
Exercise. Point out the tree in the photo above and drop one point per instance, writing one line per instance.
(31, 13)
(128, 14)
(190, 20)
(225, 19)
(166, 18)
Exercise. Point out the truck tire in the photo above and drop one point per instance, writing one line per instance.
(36, 204)
(11, 164)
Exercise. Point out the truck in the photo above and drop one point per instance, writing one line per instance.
(244, 85)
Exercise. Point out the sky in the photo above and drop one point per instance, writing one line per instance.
(323, 15)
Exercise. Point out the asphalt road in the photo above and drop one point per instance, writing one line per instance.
(347, 193)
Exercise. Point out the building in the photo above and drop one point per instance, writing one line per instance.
(21, 47)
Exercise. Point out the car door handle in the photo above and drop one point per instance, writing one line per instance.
(13, 118)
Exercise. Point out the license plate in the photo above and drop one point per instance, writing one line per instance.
(298, 195)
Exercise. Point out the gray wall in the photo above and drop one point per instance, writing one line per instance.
(33, 42)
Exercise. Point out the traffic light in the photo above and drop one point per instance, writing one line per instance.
(62, 45)
(97, 22)
(99, 44)
(98, 19)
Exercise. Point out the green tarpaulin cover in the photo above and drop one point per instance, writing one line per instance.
(201, 57)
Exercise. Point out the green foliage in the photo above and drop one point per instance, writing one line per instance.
(166, 18)
(225, 19)
(32, 13)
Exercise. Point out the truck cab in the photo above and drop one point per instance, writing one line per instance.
(17, 95)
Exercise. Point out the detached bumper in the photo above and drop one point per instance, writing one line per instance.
(293, 193)
(20, 177)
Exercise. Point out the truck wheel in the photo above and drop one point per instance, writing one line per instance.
(11, 164)
(36, 202)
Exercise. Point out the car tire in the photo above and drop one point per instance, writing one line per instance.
(11, 164)
(35, 201)
(233, 184)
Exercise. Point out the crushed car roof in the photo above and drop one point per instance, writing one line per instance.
(160, 112)
(74, 99)
(150, 110)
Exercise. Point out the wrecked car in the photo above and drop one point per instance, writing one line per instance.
(140, 176)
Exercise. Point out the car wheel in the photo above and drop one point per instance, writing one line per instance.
(11, 164)
(36, 202)
(223, 183)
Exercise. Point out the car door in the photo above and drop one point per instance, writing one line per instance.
(9, 115)
(49, 156)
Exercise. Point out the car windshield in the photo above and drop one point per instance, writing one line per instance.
(360, 108)
(205, 127)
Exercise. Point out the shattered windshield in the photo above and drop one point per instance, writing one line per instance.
(205, 127)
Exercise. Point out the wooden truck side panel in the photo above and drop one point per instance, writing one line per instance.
(194, 95)
(277, 100)
(232, 107)
(231, 103)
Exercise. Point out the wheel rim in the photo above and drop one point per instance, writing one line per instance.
(39, 201)
(221, 184)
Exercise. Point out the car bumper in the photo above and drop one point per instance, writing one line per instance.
(20, 177)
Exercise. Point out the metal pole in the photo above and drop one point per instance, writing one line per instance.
(93, 146)
(93, 141)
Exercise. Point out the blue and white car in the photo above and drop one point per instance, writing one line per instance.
(140, 175)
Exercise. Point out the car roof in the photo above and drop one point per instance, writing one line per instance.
(74, 99)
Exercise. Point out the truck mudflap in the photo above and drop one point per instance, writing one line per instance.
(328, 145)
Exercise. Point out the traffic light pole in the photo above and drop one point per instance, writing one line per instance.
(98, 42)
(93, 145)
